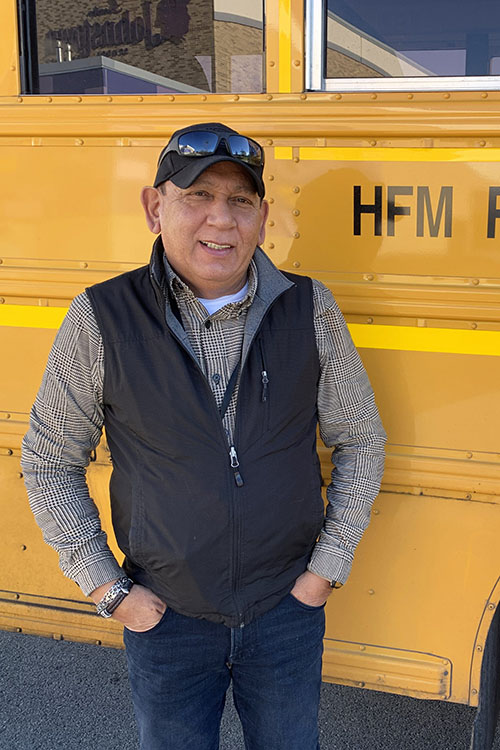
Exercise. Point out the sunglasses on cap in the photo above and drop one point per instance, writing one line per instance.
(205, 143)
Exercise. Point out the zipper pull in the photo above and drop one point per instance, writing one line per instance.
(233, 457)
(265, 381)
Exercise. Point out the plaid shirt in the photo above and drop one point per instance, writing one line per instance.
(68, 416)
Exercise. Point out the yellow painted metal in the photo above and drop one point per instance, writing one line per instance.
(297, 36)
(404, 338)
(391, 154)
(424, 309)
(387, 669)
(285, 46)
(9, 52)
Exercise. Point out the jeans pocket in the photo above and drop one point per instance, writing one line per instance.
(151, 630)
(307, 607)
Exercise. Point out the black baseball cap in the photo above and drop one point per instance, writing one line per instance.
(183, 169)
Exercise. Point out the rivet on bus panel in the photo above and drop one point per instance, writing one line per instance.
(474, 691)
(57, 636)
(479, 648)
(296, 212)
(19, 630)
(98, 643)
(13, 67)
(271, 246)
(491, 606)
(468, 454)
(84, 264)
(270, 223)
(7, 416)
(369, 320)
(376, 512)
(446, 95)
(475, 282)
(373, 143)
(368, 277)
(296, 189)
(9, 451)
(270, 177)
(203, 98)
(373, 96)
(270, 200)
(19, 99)
(20, 474)
(271, 63)
(236, 98)
(171, 98)
(269, 142)
(109, 98)
(79, 142)
(17, 596)
(2, 300)
(296, 159)
(269, 97)
(296, 235)
(296, 263)
(23, 547)
(410, 96)
(362, 648)
(49, 99)
(296, 63)
(482, 144)
(473, 325)
(371, 592)
(303, 96)
(360, 684)
(78, 98)
(140, 98)
(484, 95)
(338, 96)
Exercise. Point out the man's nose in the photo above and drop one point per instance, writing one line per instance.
(220, 214)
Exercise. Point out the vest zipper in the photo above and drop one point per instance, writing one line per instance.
(264, 376)
(233, 459)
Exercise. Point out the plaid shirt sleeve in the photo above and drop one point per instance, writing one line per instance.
(65, 427)
(349, 423)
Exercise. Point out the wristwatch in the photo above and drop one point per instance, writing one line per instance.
(336, 584)
(114, 596)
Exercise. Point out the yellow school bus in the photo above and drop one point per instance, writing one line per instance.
(381, 128)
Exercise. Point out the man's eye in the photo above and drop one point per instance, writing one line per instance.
(200, 193)
(242, 199)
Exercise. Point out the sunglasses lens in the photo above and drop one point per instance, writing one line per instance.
(197, 143)
(245, 149)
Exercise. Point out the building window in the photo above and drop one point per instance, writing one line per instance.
(149, 46)
(427, 44)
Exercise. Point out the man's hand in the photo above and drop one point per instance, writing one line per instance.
(311, 589)
(141, 609)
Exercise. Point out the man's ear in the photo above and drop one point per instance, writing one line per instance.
(151, 199)
(264, 214)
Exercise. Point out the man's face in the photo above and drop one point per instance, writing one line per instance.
(210, 229)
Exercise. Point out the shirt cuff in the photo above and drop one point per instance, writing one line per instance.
(331, 565)
(95, 574)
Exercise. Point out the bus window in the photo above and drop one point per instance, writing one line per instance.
(147, 46)
(392, 45)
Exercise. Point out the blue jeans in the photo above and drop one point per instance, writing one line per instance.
(181, 669)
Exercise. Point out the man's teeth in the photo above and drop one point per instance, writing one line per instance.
(214, 246)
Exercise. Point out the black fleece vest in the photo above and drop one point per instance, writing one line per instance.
(206, 546)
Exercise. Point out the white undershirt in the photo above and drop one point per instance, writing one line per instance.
(212, 305)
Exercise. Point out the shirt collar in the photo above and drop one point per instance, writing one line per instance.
(183, 294)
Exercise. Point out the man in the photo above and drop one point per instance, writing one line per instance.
(210, 370)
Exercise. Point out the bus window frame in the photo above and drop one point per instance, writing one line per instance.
(315, 48)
